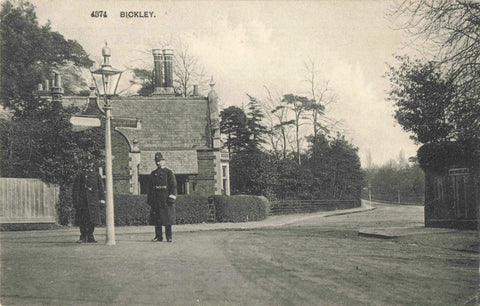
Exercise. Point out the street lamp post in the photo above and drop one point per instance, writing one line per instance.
(107, 75)
(370, 194)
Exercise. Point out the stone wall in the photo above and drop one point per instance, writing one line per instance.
(205, 182)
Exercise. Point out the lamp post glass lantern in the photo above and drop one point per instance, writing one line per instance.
(108, 77)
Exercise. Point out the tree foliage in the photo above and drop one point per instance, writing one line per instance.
(299, 105)
(28, 52)
(43, 146)
(144, 78)
(187, 72)
(336, 174)
(257, 129)
(37, 141)
(448, 33)
(424, 100)
(393, 183)
(234, 125)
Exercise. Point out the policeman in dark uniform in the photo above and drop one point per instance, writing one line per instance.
(87, 196)
(161, 196)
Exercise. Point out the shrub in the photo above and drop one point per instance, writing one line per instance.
(64, 205)
(130, 209)
(134, 210)
(438, 157)
(191, 209)
(240, 208)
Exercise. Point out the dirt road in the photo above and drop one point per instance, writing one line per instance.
(316, 261)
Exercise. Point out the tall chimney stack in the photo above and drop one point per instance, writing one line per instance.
(157, 72)
(168, 64)
(57, 90)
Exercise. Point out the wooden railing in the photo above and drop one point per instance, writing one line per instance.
(27, 201)
(309, 206)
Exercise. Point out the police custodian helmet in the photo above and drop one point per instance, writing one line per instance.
(159, 157)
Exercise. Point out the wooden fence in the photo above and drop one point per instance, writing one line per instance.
(309, 206)
(27, 201)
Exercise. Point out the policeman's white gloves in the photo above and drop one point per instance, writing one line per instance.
(171, 199)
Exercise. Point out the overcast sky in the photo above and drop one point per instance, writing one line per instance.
(247, 45)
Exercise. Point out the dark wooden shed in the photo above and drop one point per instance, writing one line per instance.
(452, 184)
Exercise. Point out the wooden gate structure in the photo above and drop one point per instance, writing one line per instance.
(27, 201)
(452, 184)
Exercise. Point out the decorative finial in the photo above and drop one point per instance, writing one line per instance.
(106, 53)
(212, 83)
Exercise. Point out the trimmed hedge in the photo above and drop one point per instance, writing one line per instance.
(437, 157)
(133, 209)
(64, 207)
(129, 209)
(190, 209)
(240, 208)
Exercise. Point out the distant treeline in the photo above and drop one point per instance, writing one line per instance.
(393, 183)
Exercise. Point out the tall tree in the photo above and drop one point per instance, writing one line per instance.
(251, 172)
(448, 33)
(234, 125)
(321, 97)
(279, 125)
(347, 175)
(144, 78)
(28, 52)
(424, 101)
(44, 146)
(188, 71)
(298, 105)
(37, 141)
(257, 129)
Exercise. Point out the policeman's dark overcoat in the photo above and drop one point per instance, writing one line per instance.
(87, 192)
(162, 188)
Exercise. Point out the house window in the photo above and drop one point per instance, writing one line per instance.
(225, 180)
(182, 181)
(224, 189)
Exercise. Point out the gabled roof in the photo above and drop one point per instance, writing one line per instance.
(167, 123)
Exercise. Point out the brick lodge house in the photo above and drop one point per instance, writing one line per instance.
(185, 130)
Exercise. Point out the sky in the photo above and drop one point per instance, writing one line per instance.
(248, 46)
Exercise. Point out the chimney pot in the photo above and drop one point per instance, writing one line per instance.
(168, 69)
(58, 80)
(157, 70)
